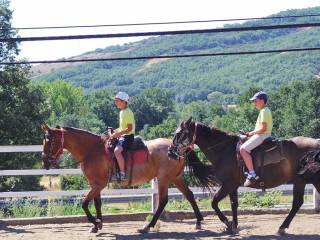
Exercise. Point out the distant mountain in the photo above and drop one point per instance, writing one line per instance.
(195, 78)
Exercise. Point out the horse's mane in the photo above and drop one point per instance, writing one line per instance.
(213, 132)
(82, 131)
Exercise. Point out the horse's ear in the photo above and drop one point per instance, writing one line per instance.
(188, 121)
(45, 127)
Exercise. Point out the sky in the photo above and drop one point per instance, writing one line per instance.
(43, 13)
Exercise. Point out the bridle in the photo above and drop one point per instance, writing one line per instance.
(181, 147)
(51, 157)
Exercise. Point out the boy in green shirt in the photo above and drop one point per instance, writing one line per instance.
(262, 131)
(125, 132)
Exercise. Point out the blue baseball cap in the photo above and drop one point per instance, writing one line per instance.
(260, 95)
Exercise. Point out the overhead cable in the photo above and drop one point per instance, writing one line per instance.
(163, 56)
(161, 23)
(159, 33)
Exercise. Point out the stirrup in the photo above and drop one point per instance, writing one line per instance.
(251, 181)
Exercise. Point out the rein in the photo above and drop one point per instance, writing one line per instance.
(194, 135)
(217, 144)
(51, 158)
(60, 150)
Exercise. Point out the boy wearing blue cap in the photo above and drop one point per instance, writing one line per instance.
(125, 132)
(262, 131)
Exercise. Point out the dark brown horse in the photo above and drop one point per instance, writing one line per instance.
(220, 149)
(89, 150)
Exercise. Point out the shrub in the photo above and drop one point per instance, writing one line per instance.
(267, 200)
(73, 182)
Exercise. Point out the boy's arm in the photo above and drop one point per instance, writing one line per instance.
(260, 130)
(119, 133)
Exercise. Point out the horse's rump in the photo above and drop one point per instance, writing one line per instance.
(309, 165)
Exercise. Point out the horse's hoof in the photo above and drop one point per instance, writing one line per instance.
(198, 226)
(145, 229)
(231, 229)
(94, 229)
(98, 224)
(156, 228)
(281, 231)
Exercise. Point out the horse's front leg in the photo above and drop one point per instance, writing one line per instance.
(94, 192)
(181, 185)
(217, 197)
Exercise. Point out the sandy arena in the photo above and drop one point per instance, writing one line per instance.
(304, 227)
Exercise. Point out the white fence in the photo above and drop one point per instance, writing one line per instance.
(111, 193)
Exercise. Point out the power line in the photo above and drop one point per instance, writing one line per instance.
(160, 23)
(164, 56)
(159, 33)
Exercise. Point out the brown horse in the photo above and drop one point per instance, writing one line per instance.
(89, 150)
(220, 149)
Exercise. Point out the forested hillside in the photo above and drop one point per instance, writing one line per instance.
(197, 78)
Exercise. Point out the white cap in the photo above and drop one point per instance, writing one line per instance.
(123, 96)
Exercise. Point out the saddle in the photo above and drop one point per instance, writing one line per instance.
(269, 152)
(137, 153)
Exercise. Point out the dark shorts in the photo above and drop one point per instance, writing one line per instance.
(125, 141)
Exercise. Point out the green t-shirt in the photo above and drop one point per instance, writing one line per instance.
(265, 116)
(126, 117)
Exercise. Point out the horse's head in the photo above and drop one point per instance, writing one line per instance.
(183, 140)
(53, 141)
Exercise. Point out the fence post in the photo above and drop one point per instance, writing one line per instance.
(316, 200)
(154, 196)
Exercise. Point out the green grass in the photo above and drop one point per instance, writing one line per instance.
(28, 208)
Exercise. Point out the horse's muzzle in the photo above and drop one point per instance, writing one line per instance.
(46, 163)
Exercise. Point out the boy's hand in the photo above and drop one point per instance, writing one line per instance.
(249, 134)
(114, 135)
(104, 138)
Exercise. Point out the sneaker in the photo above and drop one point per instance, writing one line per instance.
(115, 178)
(251, 180)
(123, 176)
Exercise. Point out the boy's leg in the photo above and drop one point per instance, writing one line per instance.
(118, 152)
(245, 151)
(247, 159)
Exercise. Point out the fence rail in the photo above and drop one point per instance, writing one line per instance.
(111, 193)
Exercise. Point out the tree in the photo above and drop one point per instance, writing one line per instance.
(151, 107)
(242, 117)
(165, 129)
(102, 105)
(23, 109)
(297, 109)
(70, 106)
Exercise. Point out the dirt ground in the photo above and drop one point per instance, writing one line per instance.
(304, 227)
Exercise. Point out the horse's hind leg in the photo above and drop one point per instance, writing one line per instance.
(97, 205)
(316, 184)
(181, 185)
(163, 200)
(234, 207)
(298, 192)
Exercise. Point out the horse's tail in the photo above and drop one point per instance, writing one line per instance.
(310, 166)
(200, 173)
